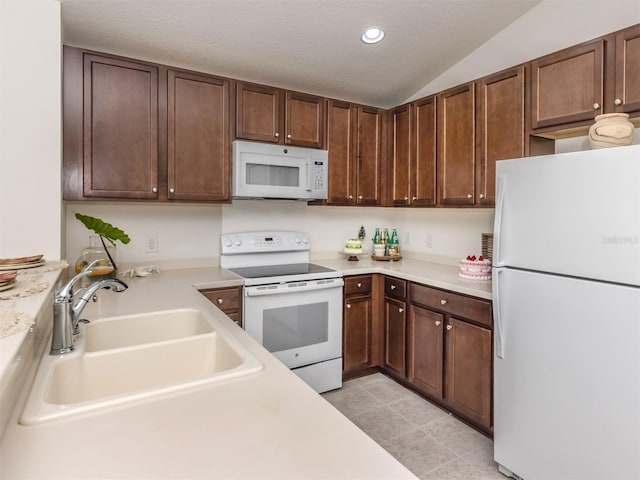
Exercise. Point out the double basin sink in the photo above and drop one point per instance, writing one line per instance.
(122, 359)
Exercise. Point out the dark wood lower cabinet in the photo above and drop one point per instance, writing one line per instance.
(356, 334)
(395, 332)
(425, 345)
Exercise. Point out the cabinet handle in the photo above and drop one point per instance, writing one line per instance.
(219, 301)
(443, 302)
(406, 198)
(596, 106)
(359, 284)
(359, 197)
(469, 195)
(277, 135)
(400, 310)
(449, 327)
(617, 101)
(289, 136)
(393, 287)
(481, 196)
(171, 190)
(414, 198)
(438, 323)
(154, 189)
(350, 197)
(348, 305)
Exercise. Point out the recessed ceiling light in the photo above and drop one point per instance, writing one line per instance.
(372, 35)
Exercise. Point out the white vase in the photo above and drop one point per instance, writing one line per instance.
(611, 130)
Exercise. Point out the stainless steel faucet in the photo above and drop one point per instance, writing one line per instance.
(66, 313)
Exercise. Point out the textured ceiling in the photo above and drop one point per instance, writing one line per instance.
(306, 45)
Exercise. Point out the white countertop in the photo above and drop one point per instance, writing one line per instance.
(266, 425)
(429, 273)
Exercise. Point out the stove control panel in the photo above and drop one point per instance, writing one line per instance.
(263, 241)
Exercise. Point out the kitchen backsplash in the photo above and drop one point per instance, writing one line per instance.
(187, 232)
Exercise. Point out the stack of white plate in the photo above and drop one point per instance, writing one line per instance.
(487, 245)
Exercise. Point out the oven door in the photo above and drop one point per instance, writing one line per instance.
(299, 322)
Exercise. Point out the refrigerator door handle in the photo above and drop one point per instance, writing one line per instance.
(501, 186)
(498, 327)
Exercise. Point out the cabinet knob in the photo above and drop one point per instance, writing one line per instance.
(172, 190)
(359, 284)
(449, 327)
(219, 301)
(277, 135)
(350, 197)
(406, 198)
(289, 136)
(393, 287)
(360, 197)
(400, 310)
(348, 305)
(481, 195)
(469, 195)
(443, 302)
(596, 106)
(154, 189)
(617, 101)
(414, 198)
(237, 322)
(438, 323)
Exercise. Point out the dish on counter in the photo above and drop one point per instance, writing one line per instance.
(8, 277)
(7, 285)
(21, 262)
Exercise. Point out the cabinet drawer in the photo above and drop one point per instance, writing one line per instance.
(359, 284)
(453, 303)
(225, 299)
(395, 288)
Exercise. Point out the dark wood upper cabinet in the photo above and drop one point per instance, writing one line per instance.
(341, 145)
(354, 146)
(258, 112)
(424, 152)
(627, 71)
(500, 123)
(567, 86)
(456, 146)
(369, 155)
(261, 115)
(304, 120)
(120, 128)
(198, 137)
(401, 155)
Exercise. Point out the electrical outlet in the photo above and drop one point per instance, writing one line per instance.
(151, 244)
(429, 241)
(407, 238)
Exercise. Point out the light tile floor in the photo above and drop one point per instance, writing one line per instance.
(427, 440)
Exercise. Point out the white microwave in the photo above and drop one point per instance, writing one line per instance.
(262, 170)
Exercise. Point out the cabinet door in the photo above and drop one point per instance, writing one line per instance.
(627, 84)
(401, 155)
(468, 370)
(258, 113)
(341, 145)
(500, 123)
(120, 128)
(395, 336)
(425, 350)
(356, 338)
(423, 168)
(456, 145)
(198, 137)
(567, 86)
(368, 156)
(304, 124)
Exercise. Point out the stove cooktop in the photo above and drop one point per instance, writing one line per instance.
(284, 273)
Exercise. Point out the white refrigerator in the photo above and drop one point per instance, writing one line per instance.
(566, 292)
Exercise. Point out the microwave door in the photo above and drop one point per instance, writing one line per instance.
(272, 177)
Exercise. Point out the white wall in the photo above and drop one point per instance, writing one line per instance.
(30, 128)
(451, 232)
(548, 27)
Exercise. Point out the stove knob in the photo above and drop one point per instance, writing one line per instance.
(237, 242)
(228, 242)
(298, 240)
(304, 240)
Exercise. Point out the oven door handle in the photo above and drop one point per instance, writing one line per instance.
(281, 288)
